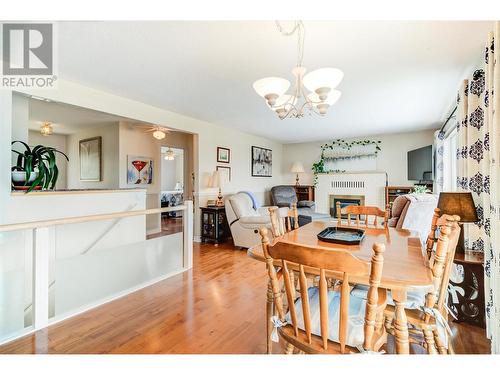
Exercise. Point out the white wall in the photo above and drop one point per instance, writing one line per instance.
(109, 171)
(59, 142)
(391, 159)
(208, 137)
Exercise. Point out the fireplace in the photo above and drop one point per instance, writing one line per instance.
(345, 200)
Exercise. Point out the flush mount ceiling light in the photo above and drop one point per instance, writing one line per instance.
(169, 155)
(320, 83)
(46, 129)
(159, 134)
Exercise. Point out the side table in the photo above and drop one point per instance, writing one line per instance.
(466, 297)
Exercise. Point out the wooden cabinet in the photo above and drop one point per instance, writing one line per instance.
(304, 192)
(392, 192)
(214, 227)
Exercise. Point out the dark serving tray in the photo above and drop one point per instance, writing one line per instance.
(345, 236)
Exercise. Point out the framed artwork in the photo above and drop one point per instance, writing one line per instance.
(225, 172)
(139, 170)
(223, 155)
(262, 162)
(90, 151)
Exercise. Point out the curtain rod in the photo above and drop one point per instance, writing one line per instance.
(448, 119)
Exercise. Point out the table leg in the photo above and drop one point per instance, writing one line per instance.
(269, 313)
(400, 322)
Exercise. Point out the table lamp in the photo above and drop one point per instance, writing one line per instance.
(178, 186)
(460, 204)
(216, 182)
(297, 168)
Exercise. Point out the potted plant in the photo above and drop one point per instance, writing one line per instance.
(420, 189)
(35, 168)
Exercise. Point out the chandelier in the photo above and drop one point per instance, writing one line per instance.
(169, 155)
(46, 129)
(321, 84)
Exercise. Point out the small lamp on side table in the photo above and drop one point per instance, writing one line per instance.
(460, 204)
(297, 168)
(216, 182)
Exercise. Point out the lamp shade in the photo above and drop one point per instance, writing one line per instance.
(285, 102)
(332, 98)
(216, 181)
(271, 85)
(460, 204)
(297, 167)
(322, 78)
(178, 186)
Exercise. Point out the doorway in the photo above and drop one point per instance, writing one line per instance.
(172, 187)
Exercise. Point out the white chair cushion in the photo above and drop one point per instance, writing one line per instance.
(356, 321)
(414, 299)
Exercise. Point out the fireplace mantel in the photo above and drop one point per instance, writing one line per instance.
(369, 184)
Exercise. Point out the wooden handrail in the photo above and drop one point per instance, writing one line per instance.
(84, 219)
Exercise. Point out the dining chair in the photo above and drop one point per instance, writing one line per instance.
(280, 223)
(362, 214)
(320, 320)
(427, 316)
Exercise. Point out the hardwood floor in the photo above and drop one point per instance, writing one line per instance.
(217, 307)
(169, 225)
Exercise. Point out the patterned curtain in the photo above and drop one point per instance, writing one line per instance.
(478, 171)
(439, 167)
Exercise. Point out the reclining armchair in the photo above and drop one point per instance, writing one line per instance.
(245, 220)
(285, 196)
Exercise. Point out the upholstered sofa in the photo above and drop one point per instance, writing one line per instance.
(413, 212)
(245, 219)
(285, 196)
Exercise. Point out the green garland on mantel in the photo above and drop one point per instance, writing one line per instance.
(319, 167)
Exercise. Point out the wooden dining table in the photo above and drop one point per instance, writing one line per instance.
(405, 267)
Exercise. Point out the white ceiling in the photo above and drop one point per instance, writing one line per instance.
(65, 118)
(399, 76)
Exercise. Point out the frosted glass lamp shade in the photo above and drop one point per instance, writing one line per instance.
(323, 78)
(297, 167)
(158, 134)
(332, 98)
(284, 102)
(271, 86)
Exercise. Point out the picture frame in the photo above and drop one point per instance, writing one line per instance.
(90, 153)
(139, 170)
(223, 155)
(262, 162)
(225, 171)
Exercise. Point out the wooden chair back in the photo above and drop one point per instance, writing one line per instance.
(362, 214)
(305, 259)
(281, 225)
(441, 260)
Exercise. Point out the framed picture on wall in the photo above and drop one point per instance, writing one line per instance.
(139, 170)
(262, 162)
(223, 155)
(90, 152)
(225, 173)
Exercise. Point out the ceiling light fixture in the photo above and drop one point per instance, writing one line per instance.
(159, 134)
(169, 155)
(321, 84)
(46, 129)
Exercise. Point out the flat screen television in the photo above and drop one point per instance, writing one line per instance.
(420, 164)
